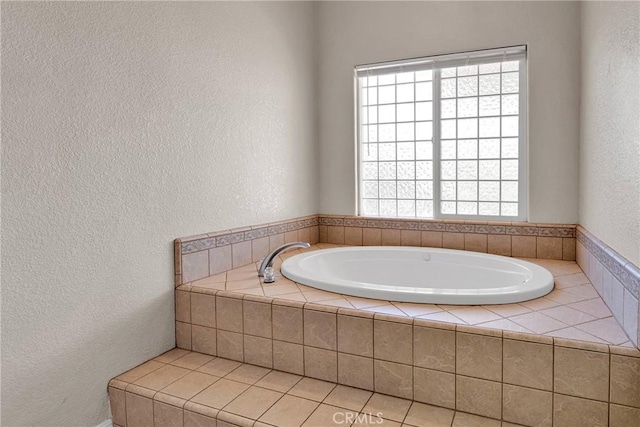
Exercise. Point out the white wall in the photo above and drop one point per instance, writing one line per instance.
(353, 33)
(610, 125)
(126, 125)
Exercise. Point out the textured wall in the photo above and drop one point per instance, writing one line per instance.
(610, 125)
(353, 33)
(126, 125)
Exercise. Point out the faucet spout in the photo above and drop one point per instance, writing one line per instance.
(268, 260)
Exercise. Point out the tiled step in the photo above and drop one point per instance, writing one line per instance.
(188, 389)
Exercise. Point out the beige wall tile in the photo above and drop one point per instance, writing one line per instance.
(203, 310)
(258, 351)
(434, 348)
(241, 254)
(220, 260)
(257, 318)
(523, 246)
(499, 244)
(259, 248)
(568, 248)
(549, 247)
(275, 241)
(475, 242)
(353, 236)
(195, 266)
(355, 335)
(230, 345)
(623, 416)
(335, 234)
(183, 335)
(392, 341)
(390, 237)
(322, 234)
(320, 364)
(527, 406)
(183, 306)
(288, 357)
(320, 329)
(118, 408)
(625, 380)
(434, 387)
(432, 239)
(166, 415)
(479, 356)
(453, 241)
(410, 238)
(371, 237)
(203, 340)
(193, 419)
(139, 411)
(291, 236)
(573, 411)
(287, 324)
(478, 397)
(229, 314)
(581, 373)
(355, 371)
(528, 364)
(393, 379)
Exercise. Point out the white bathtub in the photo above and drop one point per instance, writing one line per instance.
(426, 275)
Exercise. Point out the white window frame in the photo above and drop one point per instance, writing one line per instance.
(435, 63)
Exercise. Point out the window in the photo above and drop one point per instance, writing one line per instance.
(443, 137)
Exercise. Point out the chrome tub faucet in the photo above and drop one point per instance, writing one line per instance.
(267, 262)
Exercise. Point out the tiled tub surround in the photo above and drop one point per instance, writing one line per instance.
(616, 280)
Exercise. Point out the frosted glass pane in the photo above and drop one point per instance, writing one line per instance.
(370, 189)
(467, 190)
(510, 82)
(424, 91)
(448, 129)
(490, 106)
(369, 170)
(448, 207)
(372, 81)
(387, 132)
(406, 189)
(404, 77)
(405, 131)
(388, 189)
(510, 66)
(489, 148)
(467, 107)
(405, 112)
(468, 128)
(467, 208)
(405, 93)
(424, 131)
(467, 169)
(490, 68)
(406, 150)
(448, 72)
(510, 104)
(424, 150)
(424, 190)
(406, 208)
(369, 152)
(510, 126)
(424, 170)
(468, 86)
(387, 114)
(364, 117)
(489, 127)
(509, 209)
(364, 98)
(387, 151)
(424, 208)
(488, 208)
(373, 133)
(489, 191)
(448, 108)
(467, 70)
(468, 149)
(364, 134)
(509, 191)
(489, 170)
(448, 150)
(372, 114)
(372, 95)
(448, 88)
(406, 170)
(448, 190)
(448, 170)
(424, 111)
(387, 79)
(386, 94)
(510, 148)
(387, 170)
(509, 169)
(424, 75)
(490, 84)
(388, 208)
(370, 207)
